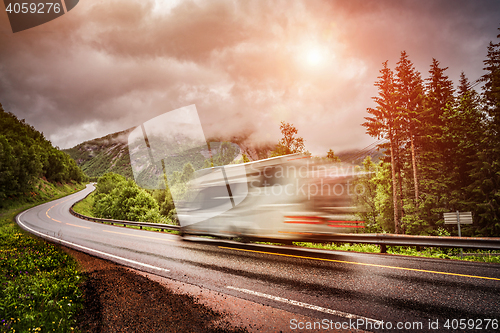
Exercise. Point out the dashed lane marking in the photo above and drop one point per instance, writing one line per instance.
(47, 212)
(304, 305)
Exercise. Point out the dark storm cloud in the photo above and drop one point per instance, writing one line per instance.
(110, 65)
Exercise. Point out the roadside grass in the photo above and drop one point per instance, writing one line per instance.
(429, 252)
(370, 248)
(39, 282)
(84, 206)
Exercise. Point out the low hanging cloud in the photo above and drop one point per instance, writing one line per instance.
(247, 65)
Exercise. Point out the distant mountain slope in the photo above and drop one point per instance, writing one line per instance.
(107, 154)
(357, 156)
(110, 153)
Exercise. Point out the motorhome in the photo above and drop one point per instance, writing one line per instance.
(281, 198)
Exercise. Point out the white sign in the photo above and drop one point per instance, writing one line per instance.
(451, 218)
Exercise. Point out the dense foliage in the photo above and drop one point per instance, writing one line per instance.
(118, 198)
(26, 156)
(442, 150)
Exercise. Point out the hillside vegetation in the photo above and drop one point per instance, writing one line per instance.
(102, 155)
(26, 156)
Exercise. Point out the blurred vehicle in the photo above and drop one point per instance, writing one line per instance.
(283, 198)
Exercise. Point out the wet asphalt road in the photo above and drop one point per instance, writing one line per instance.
(373, 292)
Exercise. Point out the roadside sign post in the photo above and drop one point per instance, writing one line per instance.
(458, 223)
(457, 218)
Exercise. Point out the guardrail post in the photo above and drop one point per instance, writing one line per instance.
(383, 248)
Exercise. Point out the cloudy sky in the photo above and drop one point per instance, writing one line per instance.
(108, 65)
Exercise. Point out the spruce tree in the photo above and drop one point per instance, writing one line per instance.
(383, 124)
(410, 90)
(486, 173)
(437, 155)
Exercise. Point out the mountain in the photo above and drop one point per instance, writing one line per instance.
(107, 154)
(357, 156)
(110, 153)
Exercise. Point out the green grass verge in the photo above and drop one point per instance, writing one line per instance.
(39, 282)
(84, 207)
(430, 252)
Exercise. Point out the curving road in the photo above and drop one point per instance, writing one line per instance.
(373, 292)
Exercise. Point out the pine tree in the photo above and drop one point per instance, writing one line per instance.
(410, 91)
(437, 156)
(486, 172)
(409, 86)
(464, 127)
(383, 124)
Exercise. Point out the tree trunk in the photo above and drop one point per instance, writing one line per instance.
(394, 185)
(397, 158)
(413, 160)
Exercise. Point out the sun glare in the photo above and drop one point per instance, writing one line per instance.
(314, 57)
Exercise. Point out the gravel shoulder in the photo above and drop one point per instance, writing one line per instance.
(117, 299)
(121, 299)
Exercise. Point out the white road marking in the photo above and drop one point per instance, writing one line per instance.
(109, 255)
(304, 305)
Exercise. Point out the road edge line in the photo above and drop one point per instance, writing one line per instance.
(81, 247)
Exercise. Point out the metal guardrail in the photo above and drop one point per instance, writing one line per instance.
(159, 226)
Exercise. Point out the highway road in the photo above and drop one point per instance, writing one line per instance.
(372, 292)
